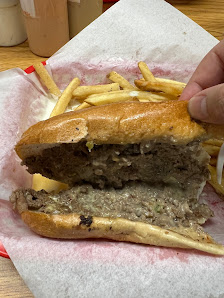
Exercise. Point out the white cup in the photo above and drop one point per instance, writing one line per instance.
(12, 29)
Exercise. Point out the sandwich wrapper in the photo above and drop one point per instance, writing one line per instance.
(131, 31)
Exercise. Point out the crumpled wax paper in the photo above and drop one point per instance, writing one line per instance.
(131, 31)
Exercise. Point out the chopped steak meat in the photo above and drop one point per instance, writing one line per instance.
(158, 205)
(156, 182)
(184, 166)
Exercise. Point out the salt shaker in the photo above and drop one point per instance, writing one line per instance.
(12, 29)
(81, 13)
(46, 24)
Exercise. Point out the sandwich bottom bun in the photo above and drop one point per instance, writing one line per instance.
(74, 226)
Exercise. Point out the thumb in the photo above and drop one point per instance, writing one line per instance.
(208, 105)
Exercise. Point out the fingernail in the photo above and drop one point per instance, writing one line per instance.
(197, 107)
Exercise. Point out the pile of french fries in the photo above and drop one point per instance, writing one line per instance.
(147, 89)
(212, 147)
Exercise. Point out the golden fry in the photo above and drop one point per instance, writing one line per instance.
(84, 105)
(155, 96)
(148, 76)
(65, 98)
(144, 100)
(214, 142)
(173, 89)
(213, 181)
(213, 161)
(40, 182)
(116, 78)
(211, 150)
(146, 73)
(167, 81)
(124, 95)
(83, 92)
(47, 79)
(110, 97)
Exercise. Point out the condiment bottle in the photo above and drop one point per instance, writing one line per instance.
(47, 25)
(81, 13)
(12, 29)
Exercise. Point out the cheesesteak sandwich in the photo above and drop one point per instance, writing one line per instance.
(134, 170)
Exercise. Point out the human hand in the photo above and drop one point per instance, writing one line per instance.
(205, 90)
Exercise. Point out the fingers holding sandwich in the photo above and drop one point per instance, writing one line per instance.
(208, 105)
(210, 72)
(205, 90)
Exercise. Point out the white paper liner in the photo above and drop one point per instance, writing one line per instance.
(172, 45)
(150, 30)
(22, 104)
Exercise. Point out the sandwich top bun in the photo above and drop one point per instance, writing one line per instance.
(118, 123)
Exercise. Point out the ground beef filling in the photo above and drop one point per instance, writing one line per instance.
(157, 205)
(114, 165)
(153, 182)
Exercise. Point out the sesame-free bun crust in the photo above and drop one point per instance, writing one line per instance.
(72, 226)
(118, 123)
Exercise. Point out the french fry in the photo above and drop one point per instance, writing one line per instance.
(84, 105)
(211, 150)
(146, 73)
(40, 182)
(173, 89)
(83, 92)
(156, 96)
(148, 76)
(213, 161)
(111, 97)
(123, 83)
(65, 98)
(123, 95)
(167, 81)
(220, 164)
(47, 79)
(213, 181)
(213, 147)
(214, 142)
(161, 80)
